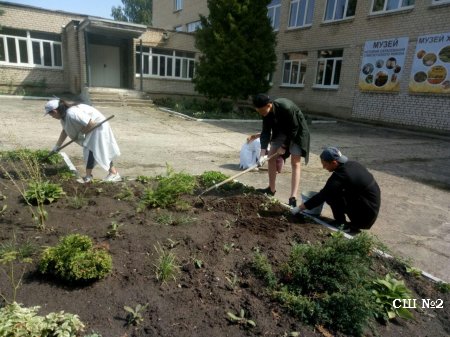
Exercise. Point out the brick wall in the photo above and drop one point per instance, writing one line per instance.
(13, 79)
(403, 108)
(167, 18)
(176, 40)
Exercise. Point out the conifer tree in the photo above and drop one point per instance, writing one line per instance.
(237, 45)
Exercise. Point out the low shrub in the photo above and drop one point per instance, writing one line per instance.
(75, 259)
(42, 156)
(168, 189)
(17, 321)
(326, 284)
(210, 178)
(208, 109)
(39, 192)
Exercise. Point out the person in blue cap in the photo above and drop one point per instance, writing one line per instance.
(350, 191)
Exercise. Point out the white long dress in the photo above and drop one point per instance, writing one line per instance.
(100, 141)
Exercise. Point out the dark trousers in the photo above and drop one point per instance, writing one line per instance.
(360, 214)
(91, 161)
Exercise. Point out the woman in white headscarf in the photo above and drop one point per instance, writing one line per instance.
(99, 146)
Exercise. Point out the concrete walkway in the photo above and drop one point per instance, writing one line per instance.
(412, 169)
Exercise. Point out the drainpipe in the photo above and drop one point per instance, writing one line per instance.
(88, 66)
(142, 67)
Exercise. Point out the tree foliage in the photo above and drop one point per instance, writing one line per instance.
(137, 11)
(237, 43)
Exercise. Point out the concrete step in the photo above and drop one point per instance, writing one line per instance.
(119, 97)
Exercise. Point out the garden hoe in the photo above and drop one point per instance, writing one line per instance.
(233, 177)
(64, 155)
(69, 164)
(71, 141)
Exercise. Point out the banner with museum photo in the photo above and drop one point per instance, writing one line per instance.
(430, 72)
(382, 64)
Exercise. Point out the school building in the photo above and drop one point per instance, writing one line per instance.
(383, 61)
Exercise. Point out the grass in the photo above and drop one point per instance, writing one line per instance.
(166, 267)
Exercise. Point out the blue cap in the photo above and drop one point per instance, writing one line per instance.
(332, 153)
(261, 100)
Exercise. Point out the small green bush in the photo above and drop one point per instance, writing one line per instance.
(42, 156)
(17, 321)
(385, 292)
(43, 192)
(263, 269)
(168, 189)
(75, 259)
(327, 284)
(208, 109)
(327, 267)
(210, 178)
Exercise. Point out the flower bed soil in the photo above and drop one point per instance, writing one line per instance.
(225, 229)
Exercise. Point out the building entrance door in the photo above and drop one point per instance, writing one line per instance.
(105, 66)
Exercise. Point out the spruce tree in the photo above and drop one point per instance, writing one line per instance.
(237, 45)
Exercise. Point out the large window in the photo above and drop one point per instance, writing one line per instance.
(329, 68)
(339, 9)
(29, 49)
(390, 5)
(193, 26)
(157, 62)
(273, 12)
(178, 5)
(301, 13)
(294, 69)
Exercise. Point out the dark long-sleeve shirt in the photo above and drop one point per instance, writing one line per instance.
(355, 183)
(286, 118)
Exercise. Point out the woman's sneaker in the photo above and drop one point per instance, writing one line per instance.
(113, 177)
(85, 180)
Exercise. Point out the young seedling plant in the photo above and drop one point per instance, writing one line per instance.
(114, 230)
(11, 259)
(166, 266)
(240, 319)
(134, 316)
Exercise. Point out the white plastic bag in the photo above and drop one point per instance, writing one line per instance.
(249, 154)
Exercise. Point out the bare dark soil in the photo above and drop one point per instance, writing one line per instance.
(223, 232)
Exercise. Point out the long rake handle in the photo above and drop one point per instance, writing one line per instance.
(235, 176)
(71, 141)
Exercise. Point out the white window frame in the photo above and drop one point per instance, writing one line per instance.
(193, 26)
(296, 4)
(274, 12)
(158, 64)
(178, 5)
(29, 45)
(400, 6)
(440, 2)
(324, 61)
(299, 62)
(333, 16)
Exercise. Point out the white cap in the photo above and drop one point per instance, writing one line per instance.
(51, 105)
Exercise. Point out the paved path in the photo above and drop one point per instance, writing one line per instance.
(412, 169)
